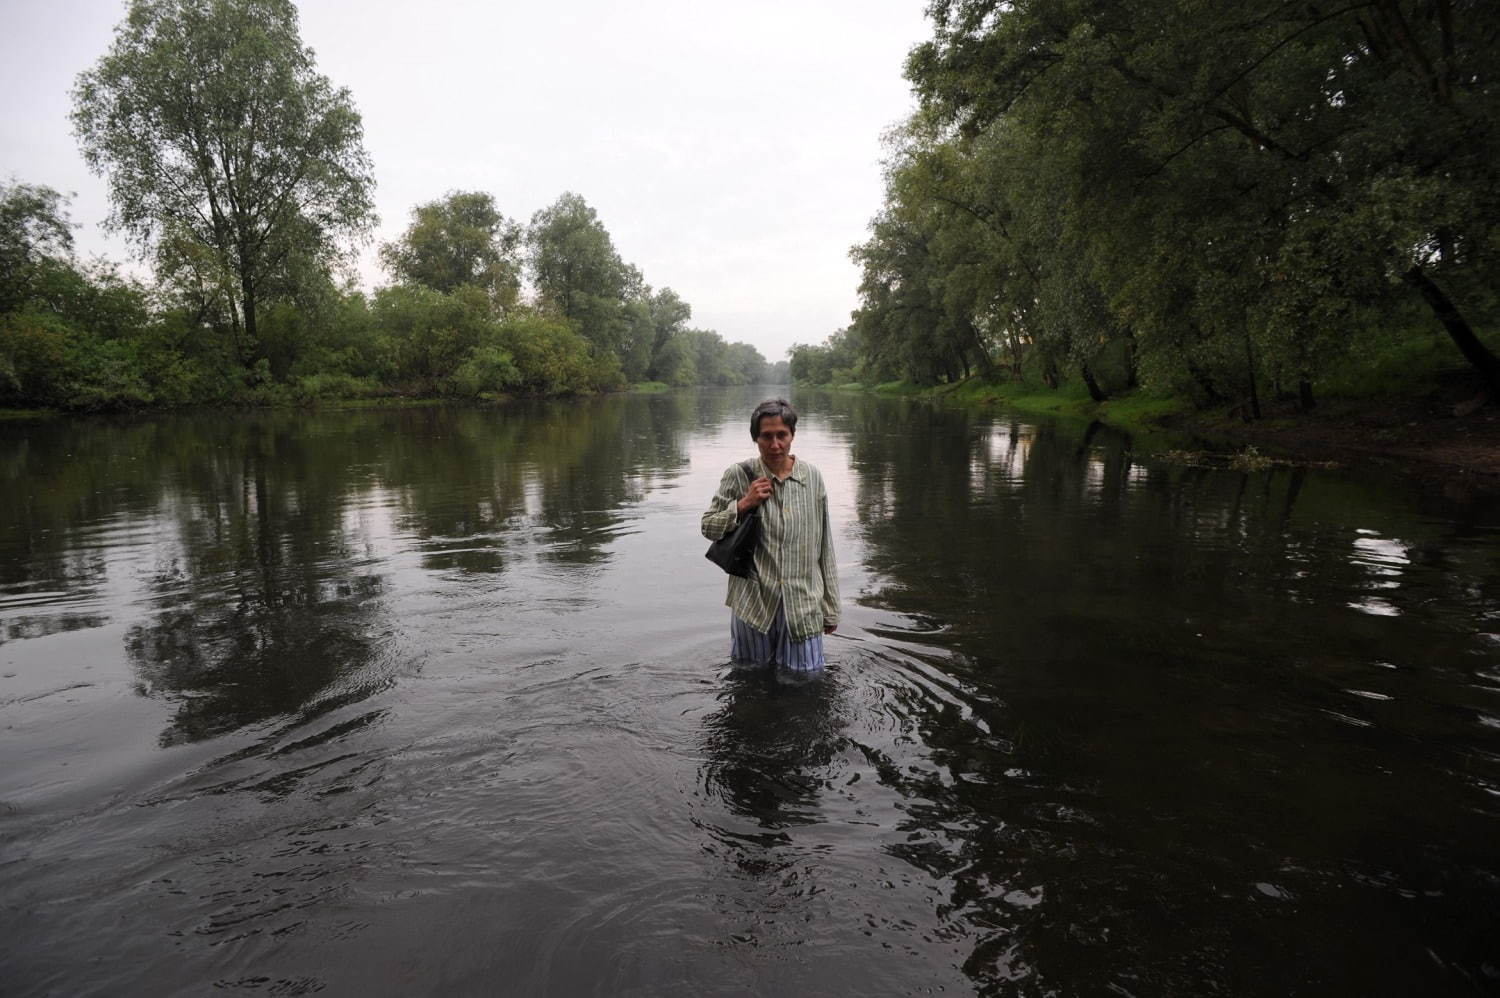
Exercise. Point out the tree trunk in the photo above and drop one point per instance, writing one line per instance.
(1049, 374)
(1088, 437)
(250, 345)
(1250, 373)
(1294, 488)
(1095, 392)
(1475, 352)
(986, 365)
(1210, 392)
(1305, 400)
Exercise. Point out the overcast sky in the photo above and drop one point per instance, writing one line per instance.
(732, 150)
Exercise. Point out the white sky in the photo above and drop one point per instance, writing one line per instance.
(732, 150)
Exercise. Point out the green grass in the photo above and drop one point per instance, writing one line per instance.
(1134, 410)
(974, 389)
(650, 387)
(28, 413)
(1408, 367)
(1138, 409)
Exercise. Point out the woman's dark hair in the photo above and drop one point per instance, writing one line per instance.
(780, 408)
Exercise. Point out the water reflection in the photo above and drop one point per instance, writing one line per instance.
(266, 538)
(1164, 666)
(777, 802)
(1097, 721)
(768, 744)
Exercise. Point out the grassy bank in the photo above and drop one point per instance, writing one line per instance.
(1133, 410)
(289, 397)
(1412, 403)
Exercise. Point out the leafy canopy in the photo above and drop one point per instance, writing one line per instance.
(214, 128)
(460, 239)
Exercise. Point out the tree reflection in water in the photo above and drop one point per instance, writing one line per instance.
(1163, 703)
(276, 601)
(1097, 722)
(265, 610)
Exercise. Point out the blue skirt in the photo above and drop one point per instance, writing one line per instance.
(746, 644)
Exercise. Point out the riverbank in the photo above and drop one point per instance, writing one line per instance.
(485, 400)
(1448, 429)
(1428, 436)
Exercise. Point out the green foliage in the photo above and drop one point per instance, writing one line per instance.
(34, 233)
(838, 360)
(333, 385)
(459, 240)
(425, 335)
(488, 371)
(639, 345)
(226, 152)
(239, 167)
(1219, 204)
(552, 358)
(578, 273)
(676, 361)
(33, 358)
(108, 374)
(1394, 363)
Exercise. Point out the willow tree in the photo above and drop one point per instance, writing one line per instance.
(578, 272)
(460, 240)
(214, 129)
(1323, 153)
(34, 229)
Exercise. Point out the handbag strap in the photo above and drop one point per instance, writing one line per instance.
(749, 467)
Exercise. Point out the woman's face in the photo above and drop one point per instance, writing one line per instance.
(774, 439)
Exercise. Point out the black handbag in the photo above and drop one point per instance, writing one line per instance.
(735, 551)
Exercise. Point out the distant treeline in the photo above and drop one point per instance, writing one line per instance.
(1220, 201)
(245, 185)
(452, 323)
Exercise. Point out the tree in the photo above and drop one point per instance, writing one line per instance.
(577, 272)
(428, 334)
(1319, 151)
(459, 240)
(669, 316)
(34, 229)
(212, 126)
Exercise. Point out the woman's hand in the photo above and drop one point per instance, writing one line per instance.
(759, 492)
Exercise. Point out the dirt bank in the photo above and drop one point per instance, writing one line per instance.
(1454, 432)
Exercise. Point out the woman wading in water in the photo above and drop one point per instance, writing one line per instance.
(781, 612)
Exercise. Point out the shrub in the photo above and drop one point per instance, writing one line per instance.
(490, 370)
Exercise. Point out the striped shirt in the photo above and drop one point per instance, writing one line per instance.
(794, 564)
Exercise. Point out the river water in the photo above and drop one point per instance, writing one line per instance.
(436, 701)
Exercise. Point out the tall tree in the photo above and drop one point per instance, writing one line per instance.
(34, 228)
(212, 125)
(577, 271)
(461, 239)
(1317, 150)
